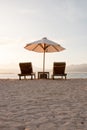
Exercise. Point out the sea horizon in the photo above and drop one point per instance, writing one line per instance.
(70, 75)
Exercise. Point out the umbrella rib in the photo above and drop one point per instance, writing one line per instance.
(37, 46)
(41, 46)
(47, 46)
(52, 46)
(34, 47)
(56, 48)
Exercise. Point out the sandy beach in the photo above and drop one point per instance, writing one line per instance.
(43, 104)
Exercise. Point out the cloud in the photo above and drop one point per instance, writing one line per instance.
(27, 11)
(5, 40)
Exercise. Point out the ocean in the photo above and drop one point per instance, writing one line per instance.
(69, 75)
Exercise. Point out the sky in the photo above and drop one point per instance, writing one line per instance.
(25, 21)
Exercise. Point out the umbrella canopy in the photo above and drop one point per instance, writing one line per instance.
(42, 46)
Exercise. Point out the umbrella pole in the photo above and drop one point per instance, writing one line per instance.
(44, 62)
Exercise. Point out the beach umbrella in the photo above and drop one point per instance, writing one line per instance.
(43, 46)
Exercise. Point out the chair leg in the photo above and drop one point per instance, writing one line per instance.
(24, 77)
(53, 77)
(31, 77)
(19, 77)
(65, 76)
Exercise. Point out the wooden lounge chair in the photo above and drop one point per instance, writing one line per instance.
(59, 69)
(26, 70)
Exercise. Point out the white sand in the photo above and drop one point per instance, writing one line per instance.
(43, 104)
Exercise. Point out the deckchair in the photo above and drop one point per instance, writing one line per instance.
(26, 70)
(59, 69)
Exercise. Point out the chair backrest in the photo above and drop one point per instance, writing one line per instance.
(59, 68)
(26, 68)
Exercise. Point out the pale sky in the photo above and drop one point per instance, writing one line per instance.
(25, 21)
